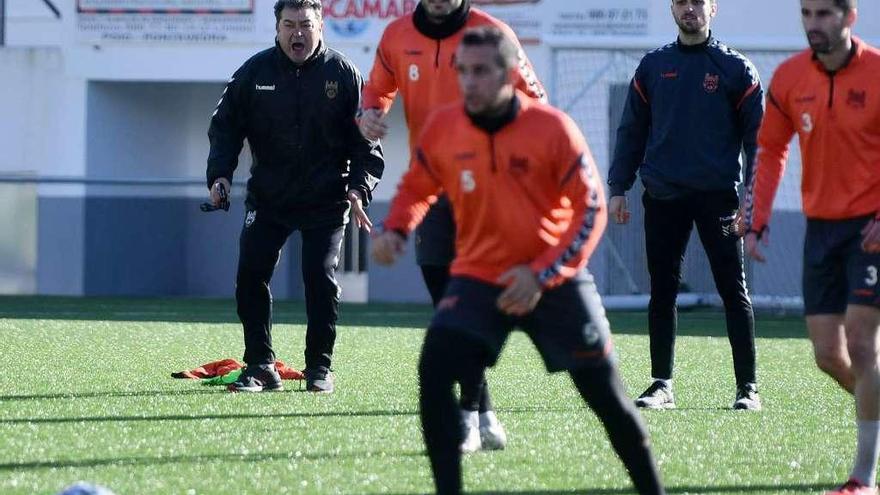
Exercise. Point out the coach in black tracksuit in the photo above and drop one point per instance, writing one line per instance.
(295, 103)
(693, 107)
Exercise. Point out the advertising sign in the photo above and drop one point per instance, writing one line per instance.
(362, 20)
(187, 21)
(525, 17)
(348, 21)
(578, 20)
(165, 6)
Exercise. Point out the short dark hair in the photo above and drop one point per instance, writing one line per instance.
(508, 52)
(846, 5)
(297, 5)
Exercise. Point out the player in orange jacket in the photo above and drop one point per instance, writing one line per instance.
(529, 210)
(416, 59)
(830, 96)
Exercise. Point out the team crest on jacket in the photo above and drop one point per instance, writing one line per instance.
(710, 82)
(857, 99)
(331, 88)
(249, 219)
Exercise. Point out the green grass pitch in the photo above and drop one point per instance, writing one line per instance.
(85, 394)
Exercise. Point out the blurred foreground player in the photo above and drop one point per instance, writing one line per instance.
(529, 209)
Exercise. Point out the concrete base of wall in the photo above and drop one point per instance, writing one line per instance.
(112, 246)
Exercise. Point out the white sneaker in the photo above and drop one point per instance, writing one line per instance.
(492, 434)
(747, 398)
(657, 396)
(471, 425)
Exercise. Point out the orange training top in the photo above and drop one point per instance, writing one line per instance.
(527, 194)
(837, 119)
(423, 69)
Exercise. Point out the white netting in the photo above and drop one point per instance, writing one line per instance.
(591, 85)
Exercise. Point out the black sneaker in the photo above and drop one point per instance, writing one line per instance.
(657, 396)
(747, 398)
(319, 380)
(259, 378)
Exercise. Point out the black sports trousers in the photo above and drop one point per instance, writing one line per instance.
(570, 331)
(259, 249)
(668, 227)
(435, 236)
(475, 395)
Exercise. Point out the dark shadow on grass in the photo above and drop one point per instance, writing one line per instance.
(719, 409)
(698, 322)
(803, 487)
(577, 407)
(196, 459)
(574, 407)
(702, 490)
(282, 415)
(92, 395)
(181, 310)
(202, 417)
(293, 456)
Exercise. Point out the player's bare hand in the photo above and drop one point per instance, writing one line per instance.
(216, 196)
(387, 247)
(357, 207)
(739, 222)
(752, 245)
(372, 124)
(522, 291)
(617, 209)
(871, 239)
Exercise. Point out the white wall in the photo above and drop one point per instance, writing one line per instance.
(396, 149)
(138, 129)
(73, 106)
(42, 120)
(43, 113)
(31, 23)
(43, 128)
(777, 24)
(38, 78)
(29, 127)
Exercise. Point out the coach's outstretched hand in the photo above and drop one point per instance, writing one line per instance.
(357, 206)
(751, 241)
(617, 209)
(387, 247)
(522, 291)
(372, 124)
(871, 239)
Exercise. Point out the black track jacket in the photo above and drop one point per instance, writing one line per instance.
(299, 121)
